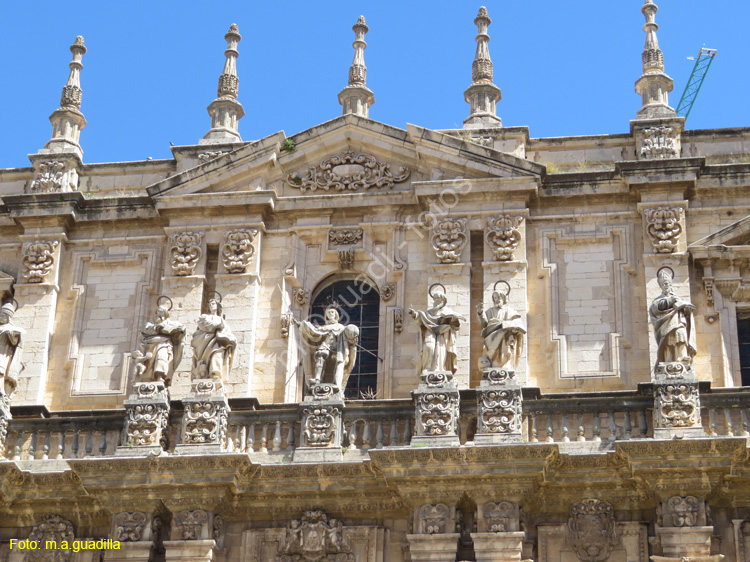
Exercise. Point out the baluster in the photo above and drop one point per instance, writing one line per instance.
(712, 422)
(90, 442)
(45, 447)
(642, 425)
(230, 440)
(581, 429)
(264, 438)
(550, 436)
(366, 436)
(612, 425)
(251, 438)
(628, 426)
(728, 422)
(351, 434)
(103, 443)
(277, 437)
(597, 431)
(18, 446)
(290, 437)
(242, 441)
(61, 445)
(743, 418)
(534, 428)
(379, 436)
(393, 434)
(76, 443)
(565, 428)
(32, 446)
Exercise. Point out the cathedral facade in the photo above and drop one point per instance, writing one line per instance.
(362, 343)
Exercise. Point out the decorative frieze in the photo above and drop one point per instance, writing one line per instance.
(387, 291)
(592, 530)
(51, 528)
(449, 238)
(346, 259)
(434, 519)
(503, 236)
(238, 249)
(190, 524)
(345, 236)
(128, 526)
(185, 252)
(349, 172)
(54, 176)
(38, 260)
(664, 228)
(315, 538)
(659, 143)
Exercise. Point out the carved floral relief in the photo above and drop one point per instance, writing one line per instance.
(345, 236)
(38, 259)
(664, 228)
(185, 252)
(503, 236)
(449, 238)
(238, 250)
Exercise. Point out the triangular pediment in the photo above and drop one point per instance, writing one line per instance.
(732, 241)
(343, 156)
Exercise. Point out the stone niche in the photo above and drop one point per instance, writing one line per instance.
(314, 537)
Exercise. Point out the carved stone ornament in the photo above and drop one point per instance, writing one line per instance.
(218, 529)
(206, 422)
(345, 236)
(314, 538)
(190, 522)
(146, 425)
(346, 259)
(38, 259)
(499, 516)
(301, 296)
(592, 530)
(659, 143)
(54, 176)
(684, 510)
(51, 528)
(185, 252)
(433, 519)
(387, 291)
(129, 525)
(320, 426)
(448, 239)
(4, 422)
(398, 320)
(677, 405)
(664, 228)
(208, 156)
(238, 249)
(500, 411)
(348, 172)
(286, 322)
(503, 236)
(436, 412)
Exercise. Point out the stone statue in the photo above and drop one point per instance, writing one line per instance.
(502, 333)
(213, 344)
(161, 346)
(10, 351)
(333, 349)
(673, 323)
(437, 344)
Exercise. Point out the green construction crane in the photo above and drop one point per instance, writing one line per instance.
(702, 64)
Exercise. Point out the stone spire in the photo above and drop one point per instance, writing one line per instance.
(357, 98)
(654, 86)
(225, 110)
(482, 95)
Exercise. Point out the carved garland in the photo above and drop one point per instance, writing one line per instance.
(185, 252)
(448, 239)
(238, 249)
(503, 236)
(38, 259)
(345, 236)
(348, 172)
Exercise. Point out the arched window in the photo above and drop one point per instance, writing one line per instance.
(358, 303)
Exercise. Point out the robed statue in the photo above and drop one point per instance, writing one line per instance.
(673, 323)
(161, 346)
(213, 344)
(438, 326)
(503, 332)
(10, 351)
(332, 349)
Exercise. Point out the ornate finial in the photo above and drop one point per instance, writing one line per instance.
(654, 86)
(71, 93)
(225, 110)
(482, 95)
(356, 97)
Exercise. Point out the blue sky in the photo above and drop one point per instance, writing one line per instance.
(565, 68)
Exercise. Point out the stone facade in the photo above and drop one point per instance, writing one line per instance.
(556, 339)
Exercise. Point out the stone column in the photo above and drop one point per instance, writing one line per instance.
(684, 531)
(192, 535)
(37, 295)
(322, 411)
(433, 539)
(499, 538)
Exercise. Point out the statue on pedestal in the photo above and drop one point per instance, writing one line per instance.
(213, 344)
(438, 325)
(673, 323)
(161, 346)
(332, 349)
(10, 351)
(502, 332)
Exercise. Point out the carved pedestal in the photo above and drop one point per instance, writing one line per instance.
(437, 410)
(146, 419)
(433, 548)
(499, 413)
(677, 407)
(321, 431)
(498, 547)
(190, 551)
(204, 423)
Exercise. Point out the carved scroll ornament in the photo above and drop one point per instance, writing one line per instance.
(38, 259)
(659, 143)
(190, 522)
(51, 528)
(678, 405)
(129, 525)
(592, 530)
(433, 519)
(448, 239)
(349, 172)
(345, 236)
(664, 228)
(238, 249)
(314, 538)
(185, 252)
(503, 236)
